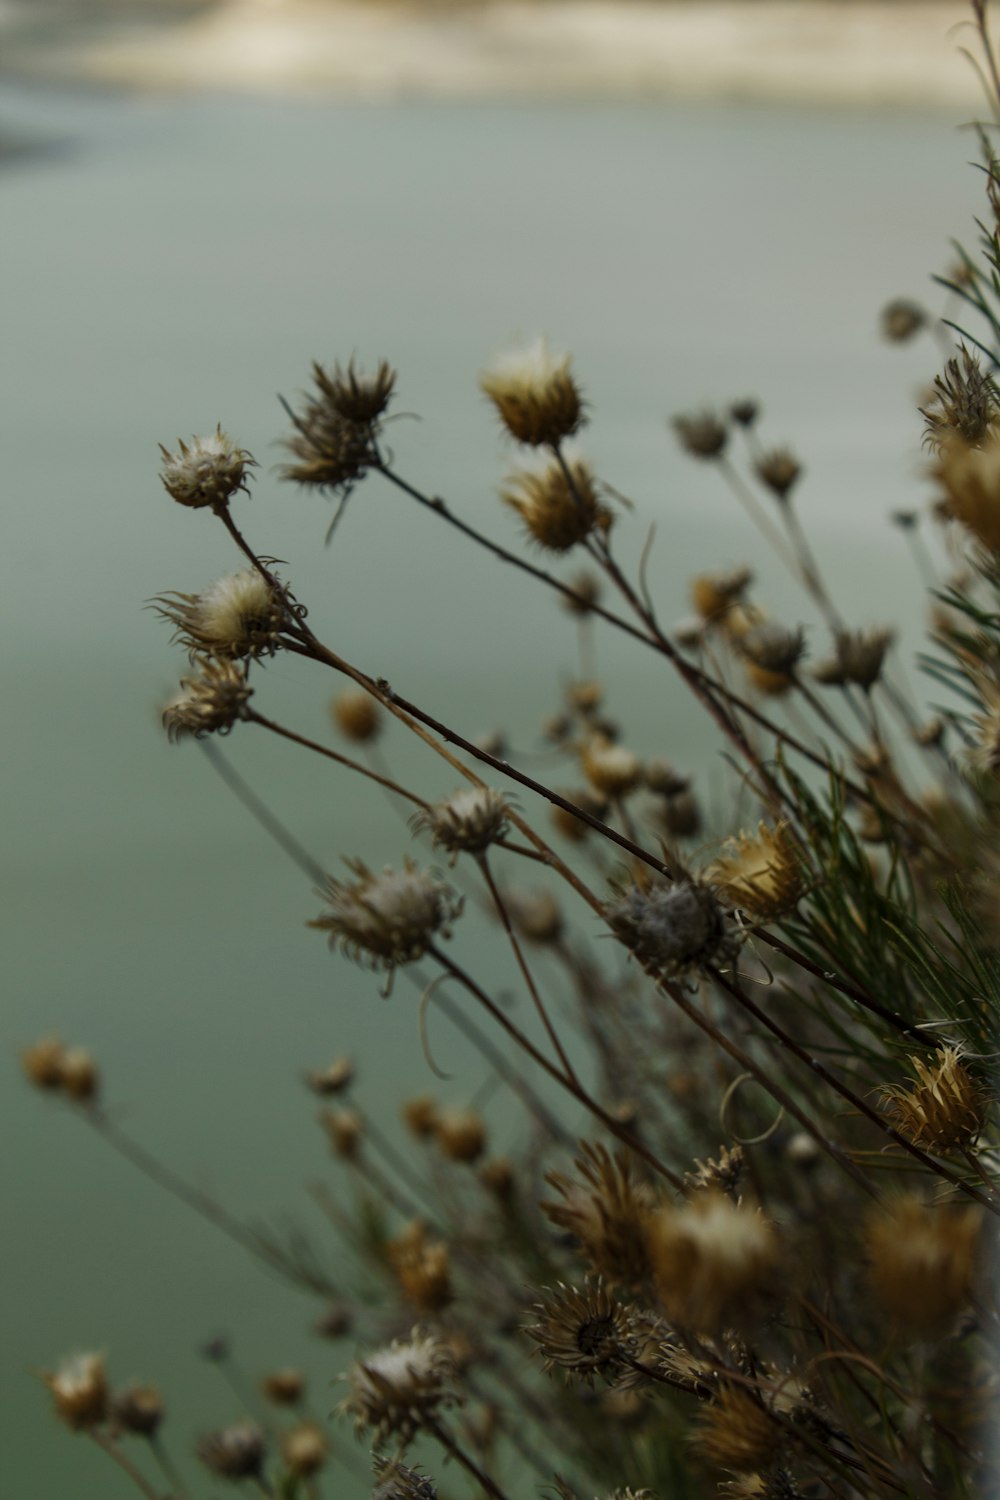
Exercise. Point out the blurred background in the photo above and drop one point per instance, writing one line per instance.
(703, 202)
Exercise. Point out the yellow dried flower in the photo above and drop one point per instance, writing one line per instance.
(209, 472)
(712, 594)
(945, 1110)
(923, 1261)
(80, 1077)
(535, 395)
(762, 873)
(557, 511)
(711, 1260)
(970, 476)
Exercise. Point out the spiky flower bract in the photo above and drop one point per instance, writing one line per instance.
(208, 472)
(466, 822)
(559, 506)
(239, 615)
(535, 395)
(395, 1390)
(388, 919)
(671, 927)
(211, 700)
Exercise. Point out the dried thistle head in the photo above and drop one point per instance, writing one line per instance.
(712, 1260)
(235, 1452)
(923, 1262)
(779, 470)
(344, 1131)
(42, 1064)
(468, 821)
(945, 1109)
(861, 654)
(721, 1174)
(745, 413)
(354, 395)
(239, 615)
(334, 437)
(138, 1409)
(583, 1331)
(394, 1481)
(984, 752)
(388, 919)
(460, 1134)
(680, 815)
(396, 1389)
(773, 647)
(970, 478)
(737, 1432)
(671, 928)
(422, 1267)
(536, 916)
(612, 770)
(305, 1449)
(357, 715)
(208, 472)
(80, 1391)
(535, 395)
(762, 873)
(285, 1387)
(900, 319)
(964, 403)
(701, 434)
(211, 700)
(712, 594)
(607, 1210)
(420, 1115)
(559, 507)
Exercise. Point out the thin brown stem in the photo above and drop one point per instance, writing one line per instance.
(468, 1463)
(253, 717)
(111, 1448)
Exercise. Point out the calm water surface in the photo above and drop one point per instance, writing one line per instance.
(174, 264)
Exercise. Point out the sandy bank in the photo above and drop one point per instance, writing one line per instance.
(866, 52)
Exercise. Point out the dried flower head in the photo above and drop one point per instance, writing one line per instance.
(762, 873)
(680, 815)
(745, 413)
(536, 915)
(586, 593)
(535, 395)
(420, 1115)
(461, 1134)
(498, 1177)
(397, 1482)
(663, 778)
(712, 594)
(945, 1109)
(388, 919)
(607, 1211)
(422, 1268)
(559, 507)
(737, 1432)
(773, 647)
(970, 478)
(901, 319)
(344, 1131)
(722, 1174)
(711, 1259)
(333, 1079)
(42, 1064)
(984, 752)
(779, 470)
(330, 448)
(138, 1409)
(612, 770)
(468, 821)
(208, 472)
(80, 1077)
(398, 1387)
(285, 1387)
(583, 1331)
(671, 928)
(334, 1322)
(239, 615)
(923, 1261)
(862, 652)
(210, 701)
(357, 715)
(701, 434)
(235, 1452)
(964, 403)
(305, 1449)
(80, 1391)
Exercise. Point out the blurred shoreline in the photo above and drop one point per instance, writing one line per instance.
(826, 52)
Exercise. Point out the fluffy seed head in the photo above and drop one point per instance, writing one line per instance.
(305, 1449)
(357, 715)
(945, 1109)
(535, 395)
(207, 472)
(762, 873)
(138, 1409)
(80, 1391)
(711, 1259)
(398, 1387)
(210, 701)
(467, 821)
(923, 1262)
(239, 615)
(671, 928)
(388, 919)
(582, 1331)
(558, 512)
(235, 1452)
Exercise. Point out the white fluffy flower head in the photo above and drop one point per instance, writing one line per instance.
(398, 1387)
(388, 919)
(208, 471)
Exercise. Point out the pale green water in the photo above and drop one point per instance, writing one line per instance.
(179, 265)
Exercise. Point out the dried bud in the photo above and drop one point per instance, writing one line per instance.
(334, 1079)
(469, 820)
(722, 1175)
(923, 1262)
(586, 593)
(209, 472)
(701, 435)
(779, 470)
(240, 615)
(712, 594)
(611, 769)
(80, 1078)
(772, 647)
(422, 1268)
(344, 1132)
(559, 507)
(388, 919)
(461, 1134)
(568, 824)
(497, 1177)
(745, 412)
(861, 654)
(334, 1322)
(284, 1387)
(535, 395)
(901, 319)
(42, 1064)
(355, 396)
(80, 1391)
(138, 1409)
(945, 1110)
(537, 917)
(671, 928)
(210, 702)
(357, 715)
(662, 778)
(398, 1387)
(420, 1115)
(681, 815)
(235, 1452)
(305, 1449)
(762, 873)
